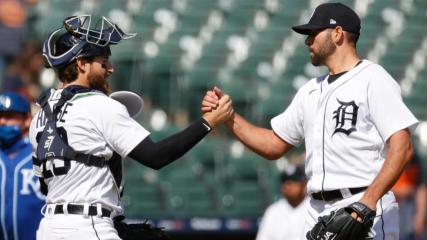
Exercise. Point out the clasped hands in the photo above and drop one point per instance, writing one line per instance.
(216, 107)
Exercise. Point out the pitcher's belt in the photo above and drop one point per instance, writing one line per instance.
(337, 194)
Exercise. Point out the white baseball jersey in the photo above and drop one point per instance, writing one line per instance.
(282, 221)
(345, 125)
(98, 125)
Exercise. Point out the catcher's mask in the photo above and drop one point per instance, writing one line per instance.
(78, 38)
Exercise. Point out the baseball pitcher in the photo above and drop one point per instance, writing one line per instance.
(356, 129)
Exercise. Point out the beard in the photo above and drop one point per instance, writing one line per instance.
(328, 48)
(294, 200)
(99, 82)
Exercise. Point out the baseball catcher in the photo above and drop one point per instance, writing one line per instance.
(81, 136)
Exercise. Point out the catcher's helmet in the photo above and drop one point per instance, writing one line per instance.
(13, 102)
(78, 39)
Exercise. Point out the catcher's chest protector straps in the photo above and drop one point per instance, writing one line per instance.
(53, 140)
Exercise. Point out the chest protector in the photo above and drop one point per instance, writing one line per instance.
(52, 143)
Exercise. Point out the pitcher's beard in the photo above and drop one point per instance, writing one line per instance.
(99, 82)
(319, 58)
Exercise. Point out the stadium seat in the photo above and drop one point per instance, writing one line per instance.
(143, 200)
(242, 198)
(247, 167)
(148, 7)
(190, 200)
(206, 160)
(143, 196)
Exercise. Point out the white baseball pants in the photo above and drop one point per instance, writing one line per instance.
(73, 226)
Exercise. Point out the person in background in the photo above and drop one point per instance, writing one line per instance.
(13, 28)
(285, 218)
(411, 193)
(21, 198)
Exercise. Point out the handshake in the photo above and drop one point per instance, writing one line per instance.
(216, 107)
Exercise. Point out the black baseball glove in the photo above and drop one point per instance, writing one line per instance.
(139, 231)
(340, 225)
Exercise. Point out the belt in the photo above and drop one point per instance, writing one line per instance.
(78, 209)
(337, 194)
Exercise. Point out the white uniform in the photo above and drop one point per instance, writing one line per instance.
(98, 125)
(345, 125)
(282, 221)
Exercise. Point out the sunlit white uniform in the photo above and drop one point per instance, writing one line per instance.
(98, 125)
(345, 125)
(282, 221)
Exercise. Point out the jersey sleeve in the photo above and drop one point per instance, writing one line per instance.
(289, 124)
(387, 109)
(121, 131)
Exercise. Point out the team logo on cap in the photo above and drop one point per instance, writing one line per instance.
(332, 21)
(345, 117)
(5, 101)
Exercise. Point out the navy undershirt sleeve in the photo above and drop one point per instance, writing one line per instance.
(159, 154)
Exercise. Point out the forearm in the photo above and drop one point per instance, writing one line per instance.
(260, 140)
(164, 152)
(399, 154)
(421, 202)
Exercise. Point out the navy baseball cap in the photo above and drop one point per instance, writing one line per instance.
(330, 15)
(293, 173)
(13, 102)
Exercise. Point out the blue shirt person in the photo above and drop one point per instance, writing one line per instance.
(20, 197)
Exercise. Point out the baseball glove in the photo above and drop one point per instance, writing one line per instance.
(340, 225)
(139, 231)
